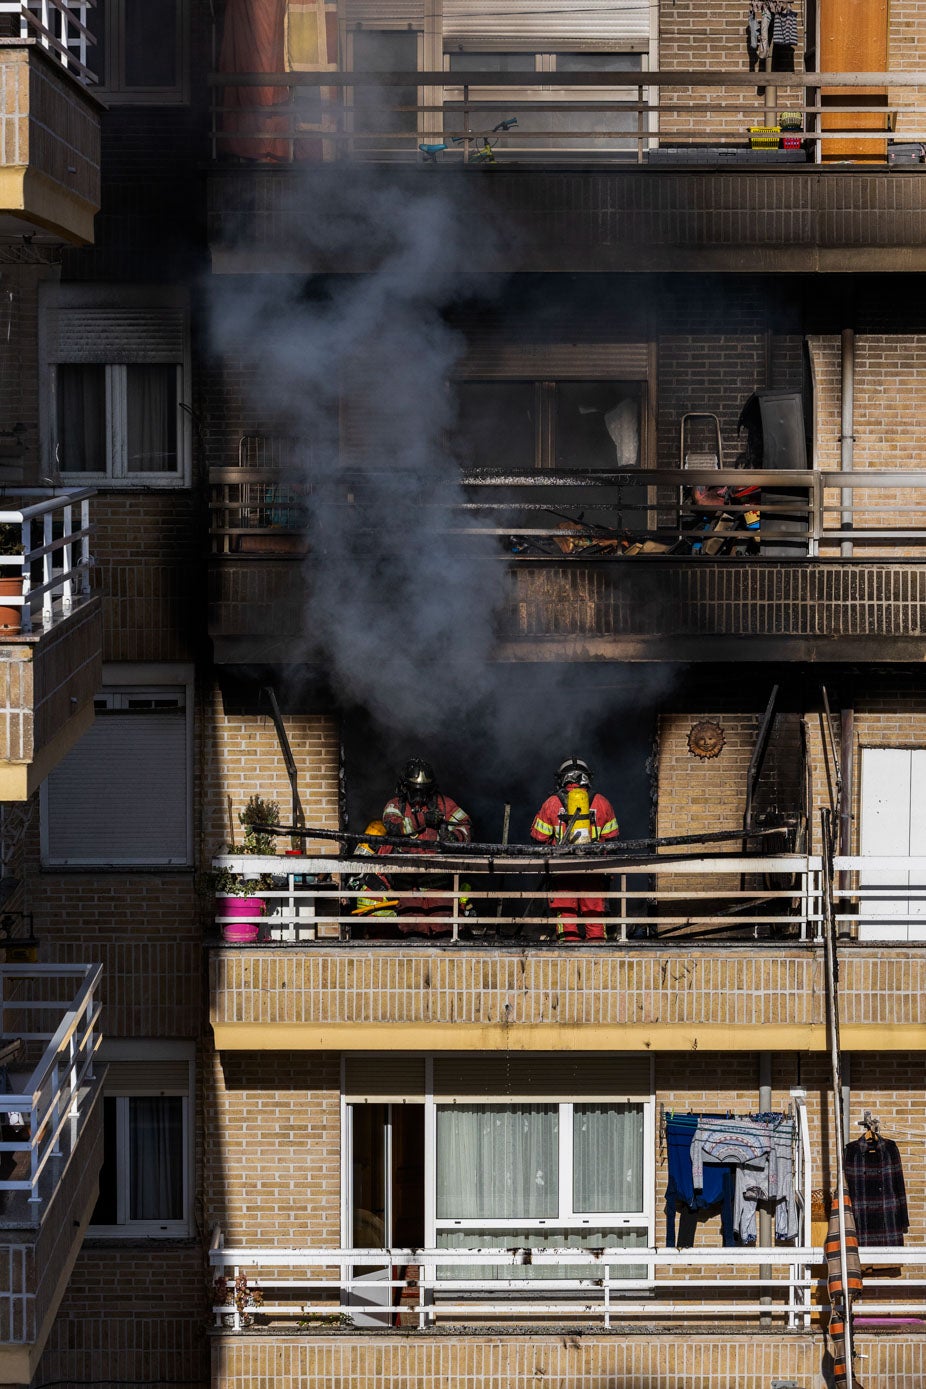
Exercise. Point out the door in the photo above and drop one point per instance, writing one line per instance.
(853, 38)
(893, 796)
(386, 1200)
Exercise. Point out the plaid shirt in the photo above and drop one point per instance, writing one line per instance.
(879, 1199)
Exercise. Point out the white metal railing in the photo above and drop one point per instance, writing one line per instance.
(47, 1099)
(312, 898)
(60, 27)
(55, 546)
(801, 512)
(613, 116)
(881, 897)
(682, 1285)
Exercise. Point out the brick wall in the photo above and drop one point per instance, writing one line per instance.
(713, 39)
(242, 757)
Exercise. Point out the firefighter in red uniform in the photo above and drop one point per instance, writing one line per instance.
(419, 814)
(572, 815)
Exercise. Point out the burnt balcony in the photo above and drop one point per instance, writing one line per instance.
(594, 170)
(720, 952)
(833, 568)
(50, 633)
(51, 1147)
(49, 123)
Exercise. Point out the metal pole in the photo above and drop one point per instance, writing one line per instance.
(832, 1007)
(847, 434)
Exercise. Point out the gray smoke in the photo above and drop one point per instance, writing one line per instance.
(400, 611)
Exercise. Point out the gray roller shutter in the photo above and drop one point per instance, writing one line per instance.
(115, 335)
(147, 1077)
(382, 1079)
(547, 19)
(539, 1076)
(120, 797)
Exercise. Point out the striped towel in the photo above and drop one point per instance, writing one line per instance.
(839, 1310)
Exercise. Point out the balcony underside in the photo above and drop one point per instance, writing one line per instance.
(643, 609)
(638, 998)
(48, 680)
(50, 155)
(797, 220)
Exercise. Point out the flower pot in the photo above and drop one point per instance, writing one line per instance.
(240, 932)
(11, 619)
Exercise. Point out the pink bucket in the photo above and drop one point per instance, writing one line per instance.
(240, 932)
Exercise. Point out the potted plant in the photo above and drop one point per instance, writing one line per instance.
(238, 894)
(11, 580)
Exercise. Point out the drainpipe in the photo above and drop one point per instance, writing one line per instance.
(765, 1234)
(847, 434)
(847, 758)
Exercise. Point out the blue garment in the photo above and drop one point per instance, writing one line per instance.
(680, 1189)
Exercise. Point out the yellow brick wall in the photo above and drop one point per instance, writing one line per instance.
(242, 756)
(889, 428)
(712, 38)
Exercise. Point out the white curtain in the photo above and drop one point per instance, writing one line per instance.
(497, 1163)
(156, 1158)
(549, 1238)
(607, 1157)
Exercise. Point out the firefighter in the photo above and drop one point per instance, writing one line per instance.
(421, 815)
(574, 816)
(375, 897)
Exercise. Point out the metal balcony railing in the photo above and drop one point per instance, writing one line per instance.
(476, 117)
(59, 26)
(52, 561)
(803, 514)
(729, 896)
(54, 1011)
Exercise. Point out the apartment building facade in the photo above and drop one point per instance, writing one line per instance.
(562, 402)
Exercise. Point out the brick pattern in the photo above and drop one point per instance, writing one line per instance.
(713, 40)
(645, 985)
(131, 1313)
(490, 1360)
(272, 1148)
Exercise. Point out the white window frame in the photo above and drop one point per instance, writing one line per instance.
(124, 681)
(149, 1050)
(112, 82)
(122, 299)
(644, 1220)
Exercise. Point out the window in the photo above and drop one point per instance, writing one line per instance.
(141, 50)
(118, 383)
(488, 1152)
(121, 797)
(588, 131)
(565, 425)
(145, 1180)
(374, 107)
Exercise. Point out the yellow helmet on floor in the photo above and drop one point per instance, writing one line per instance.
(375, 827)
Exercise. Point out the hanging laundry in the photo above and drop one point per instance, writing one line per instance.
(761, 1152)
(874, 1176)
(839, 1307)
(681, 1197)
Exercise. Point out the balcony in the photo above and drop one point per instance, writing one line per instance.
(836, 571)
(587, 171)
(49, 123)
(51, 1147)
(50, 634)
(719, 953)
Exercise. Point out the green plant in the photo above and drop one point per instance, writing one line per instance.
(227, 883)
(11, 538)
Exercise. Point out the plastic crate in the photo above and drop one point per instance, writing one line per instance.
(791, 142)
(764, 137)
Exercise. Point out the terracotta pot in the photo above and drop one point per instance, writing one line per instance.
(11, 619)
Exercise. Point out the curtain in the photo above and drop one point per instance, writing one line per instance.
(607, 1157)
(156, 1158)
(253, 41)
(539, 1239)
(81, 393)
(497, 1163)
(151, 418)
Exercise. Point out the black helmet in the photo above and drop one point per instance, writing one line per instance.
(573, 772)
(417, 782)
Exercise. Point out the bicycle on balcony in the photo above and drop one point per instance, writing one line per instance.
(483, 150)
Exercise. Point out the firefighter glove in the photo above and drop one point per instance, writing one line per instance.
(433, 819)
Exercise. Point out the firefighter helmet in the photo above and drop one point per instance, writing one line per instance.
(417, 782)
(375, 827)
(573, 772)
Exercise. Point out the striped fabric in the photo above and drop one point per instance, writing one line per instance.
(839, 1309)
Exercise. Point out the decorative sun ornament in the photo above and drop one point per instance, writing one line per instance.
(706, 740)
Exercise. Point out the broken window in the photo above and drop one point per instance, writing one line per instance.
(514, 426)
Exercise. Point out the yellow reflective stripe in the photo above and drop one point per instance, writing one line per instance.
(543, 827)
(609, 828)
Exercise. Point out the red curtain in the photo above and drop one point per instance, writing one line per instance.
(253, 41)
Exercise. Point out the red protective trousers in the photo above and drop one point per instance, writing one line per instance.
(570, 905)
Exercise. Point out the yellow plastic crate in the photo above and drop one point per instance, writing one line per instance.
(764, 137)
